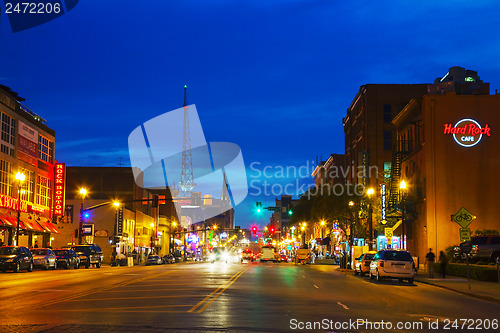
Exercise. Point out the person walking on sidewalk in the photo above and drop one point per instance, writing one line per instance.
(429, 259)
(443, 261)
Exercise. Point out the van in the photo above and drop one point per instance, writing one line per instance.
(268, 254)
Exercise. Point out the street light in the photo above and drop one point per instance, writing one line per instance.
(370, 192)
(351, 238)
(402, 187)
(20, 179)
(83, 193)
(114, 253)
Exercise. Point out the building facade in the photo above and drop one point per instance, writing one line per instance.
(26, 150)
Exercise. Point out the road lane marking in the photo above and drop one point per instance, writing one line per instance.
(315, 286)
(138, 297)
(342, 305)
(94, 291)
(213, 292)
(122, 308)
(219, 293)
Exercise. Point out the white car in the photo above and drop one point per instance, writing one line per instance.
(394, 264)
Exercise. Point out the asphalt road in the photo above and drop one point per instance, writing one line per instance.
(205, 297)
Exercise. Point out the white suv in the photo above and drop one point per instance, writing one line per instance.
(393, 264)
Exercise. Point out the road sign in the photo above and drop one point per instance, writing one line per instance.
(274, 209)
(465, 235)
(388, 233)
(463, 217)
(466, 247)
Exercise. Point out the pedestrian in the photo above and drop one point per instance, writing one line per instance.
(430, 257)
(48, 245)
(36, 244)
(313, 256)
(443, 261)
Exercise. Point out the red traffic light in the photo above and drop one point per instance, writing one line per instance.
(272, 230)
(254, 230)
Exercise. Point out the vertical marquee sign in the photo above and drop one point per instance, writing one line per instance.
(59, 188)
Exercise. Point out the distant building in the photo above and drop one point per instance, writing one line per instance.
(331, 172)
(26, 147)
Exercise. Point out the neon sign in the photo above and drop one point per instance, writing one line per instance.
(467, 132)
(59, 188)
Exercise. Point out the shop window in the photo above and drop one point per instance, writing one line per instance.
(5, 178)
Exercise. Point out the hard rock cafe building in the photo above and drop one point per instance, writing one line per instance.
(27, 149)
(447, 151)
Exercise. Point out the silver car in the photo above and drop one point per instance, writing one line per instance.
(44, 258)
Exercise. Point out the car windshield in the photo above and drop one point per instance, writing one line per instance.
(84, 249)
(398, 256)
(369, 256)
(39, 251)
(8, 250)
(61, 252)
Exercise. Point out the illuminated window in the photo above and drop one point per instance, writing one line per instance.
(45, 149)
(27, 191)
(5, 178)
(43, 191)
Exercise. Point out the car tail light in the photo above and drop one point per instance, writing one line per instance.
(381, 264)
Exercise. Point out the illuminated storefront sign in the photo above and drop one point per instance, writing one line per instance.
(384, 204)
(38, 209)
(59, 188)
(11, 203)
(467, 132)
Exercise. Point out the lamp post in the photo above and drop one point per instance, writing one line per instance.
(83, 193)
(370, 215)
(402, 187)
(115, 236)
(20, 179)
(351, 205)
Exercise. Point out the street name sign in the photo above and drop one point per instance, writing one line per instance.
(463, 217)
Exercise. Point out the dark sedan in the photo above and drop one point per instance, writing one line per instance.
(67, 258)
(15, 258)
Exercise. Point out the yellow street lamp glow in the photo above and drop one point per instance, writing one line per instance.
(351, 203)
(303, 228)
(20, 176)
(83, 192)
(402, 185)
(116, 204)
(370, 191)
(174, 224)
(322, 222)
(214, 226)
(152, 225)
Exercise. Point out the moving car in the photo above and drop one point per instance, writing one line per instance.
(154, 259)
(394, 264)
(89, 254)
(248, 255)
(44, 258)
(67, 258)
(302, 256)
(268, 253)
(15, 258)
(168, 259)
(362, 264)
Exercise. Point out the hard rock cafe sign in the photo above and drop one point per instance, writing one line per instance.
(467, 132)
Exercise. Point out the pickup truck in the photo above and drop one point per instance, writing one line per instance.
(485, 248)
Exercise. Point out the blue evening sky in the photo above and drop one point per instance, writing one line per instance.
(273, 76)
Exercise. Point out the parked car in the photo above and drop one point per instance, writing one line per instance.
(44, 258)
(485, 248)
(394, 264)
(15, 258)
(284, 258)
(89, 254)
(168, 259)
(153, 259)
(362, 263)
(67, 258)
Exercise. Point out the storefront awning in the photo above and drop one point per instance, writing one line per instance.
(31, 225)
(5, 221)
(48, 226)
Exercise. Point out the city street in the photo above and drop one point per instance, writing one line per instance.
(266, 297)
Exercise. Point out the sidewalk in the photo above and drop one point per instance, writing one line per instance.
(480, 289)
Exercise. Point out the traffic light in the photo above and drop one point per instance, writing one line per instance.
(272, 229)
(154, 204)
(110, 240)
(290, 212)
(254, 230)
(259, 206)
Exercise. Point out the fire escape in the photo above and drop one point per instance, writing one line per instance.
(400, 151)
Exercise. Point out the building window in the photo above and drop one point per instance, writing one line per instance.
(387, 113)
(43, 191)
(387, 140)
(28, 186)
(8, 135)
(45, 149)
(387, 171)
(5, 178)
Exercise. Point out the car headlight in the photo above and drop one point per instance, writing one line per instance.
(212, 257)
(225, 256)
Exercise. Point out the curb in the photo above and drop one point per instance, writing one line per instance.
(471, 294)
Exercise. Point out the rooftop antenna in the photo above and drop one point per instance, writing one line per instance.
(187, 184)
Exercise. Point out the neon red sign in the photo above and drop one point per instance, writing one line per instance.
(467, 132)
(59, 188)
(12, 203)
